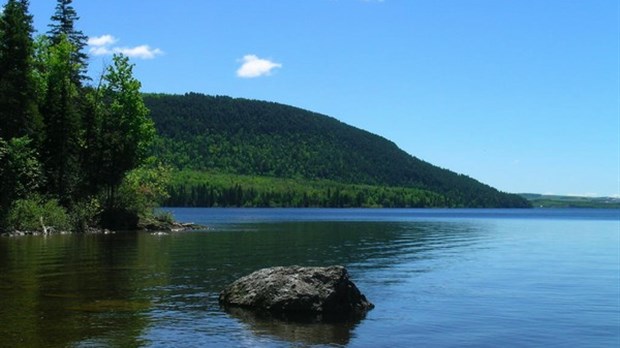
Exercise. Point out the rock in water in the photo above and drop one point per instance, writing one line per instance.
(320, 292)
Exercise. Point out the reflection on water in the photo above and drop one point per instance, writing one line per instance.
(312, 333)
(137, 289)
(60, 289)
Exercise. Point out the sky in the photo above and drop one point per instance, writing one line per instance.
(521, 95)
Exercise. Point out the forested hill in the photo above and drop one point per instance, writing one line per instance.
(257, 138)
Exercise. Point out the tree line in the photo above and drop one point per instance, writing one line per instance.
(209, 189)
(66, 142)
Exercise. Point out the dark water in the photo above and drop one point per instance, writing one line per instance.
(437, 277)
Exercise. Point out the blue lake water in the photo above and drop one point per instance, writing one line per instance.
(437, 277)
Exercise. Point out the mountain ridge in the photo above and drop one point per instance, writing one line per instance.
(261, 138)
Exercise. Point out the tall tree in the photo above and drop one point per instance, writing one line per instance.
(63, 24)
(90, 164)
(18, 108)
(60, 110)
(126, 128)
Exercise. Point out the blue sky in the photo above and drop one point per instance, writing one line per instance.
(521, 95)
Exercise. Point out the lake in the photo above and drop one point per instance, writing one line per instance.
(467, 278)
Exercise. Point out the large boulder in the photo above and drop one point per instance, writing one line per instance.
(322, 293)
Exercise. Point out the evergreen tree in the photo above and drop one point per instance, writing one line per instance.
(18, 108)
(61, 146)
(63, 28)
(90, 165)
(63, 24)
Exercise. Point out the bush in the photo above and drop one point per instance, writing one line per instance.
(28, 215)
(144, 188)
(85, 214)
(164, 216)
(20, 173)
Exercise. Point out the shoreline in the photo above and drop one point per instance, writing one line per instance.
(174, 227)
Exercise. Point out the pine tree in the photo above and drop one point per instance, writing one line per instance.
(63, 24)
(18, 108)
(61, 150)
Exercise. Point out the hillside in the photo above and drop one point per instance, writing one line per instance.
(556, 201)
(266, 139)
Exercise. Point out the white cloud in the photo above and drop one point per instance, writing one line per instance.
(255, 67)
(142, 51)
(103, 40)
(104, 45)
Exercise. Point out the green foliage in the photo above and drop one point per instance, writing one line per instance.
(90, 164)
(20, 172)
(29, 214)
(253, 138)
(88, 138)
(60, 110)
(18, 108)
(126, 130)
(84, 214)
(164, 216)
(63, 28)
(209, 189)
(145, 187)
(556, 201)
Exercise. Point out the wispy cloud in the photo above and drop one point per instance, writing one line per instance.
(252, 67)
(104, 45)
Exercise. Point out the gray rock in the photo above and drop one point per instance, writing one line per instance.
(322, 293)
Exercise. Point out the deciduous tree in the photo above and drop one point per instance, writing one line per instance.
(126, 129)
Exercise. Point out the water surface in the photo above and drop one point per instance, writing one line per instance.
(437, 278)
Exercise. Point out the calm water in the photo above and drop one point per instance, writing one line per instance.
(437, 277)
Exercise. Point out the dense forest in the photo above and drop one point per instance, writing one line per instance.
(247, 138)
(212, 189)
(72, 151)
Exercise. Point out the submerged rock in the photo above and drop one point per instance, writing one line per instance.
(314, 293)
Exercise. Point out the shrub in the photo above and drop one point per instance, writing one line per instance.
(85, 214)
(144, 188)
(164, 216)
(20, 172)
(28, 215)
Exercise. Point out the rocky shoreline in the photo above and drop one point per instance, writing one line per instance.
(151, 226)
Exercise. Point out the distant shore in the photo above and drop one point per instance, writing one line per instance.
(557, 201)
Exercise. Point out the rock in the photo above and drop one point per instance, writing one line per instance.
(155, 225)
(321, 293)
